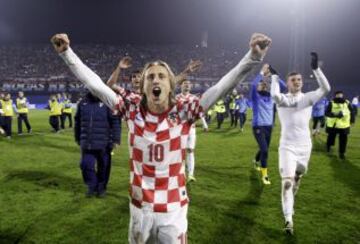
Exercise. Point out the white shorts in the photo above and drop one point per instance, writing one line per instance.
(191, 141)
(151, 227)
(293, 156)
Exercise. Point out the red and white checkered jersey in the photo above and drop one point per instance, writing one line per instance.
(186, 99)
(157, 152)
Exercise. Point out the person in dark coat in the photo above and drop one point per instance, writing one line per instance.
(97, 131)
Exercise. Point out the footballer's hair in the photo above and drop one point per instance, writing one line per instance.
(135, 72)
(292, 73)
(172, 81)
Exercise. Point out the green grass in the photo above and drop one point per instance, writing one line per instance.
(42, 193)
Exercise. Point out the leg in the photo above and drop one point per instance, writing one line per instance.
(287, 167)
(260, 136)
(19, 123)
(10, 126)
(52, 122)
(172, 227)
(232, 121)
(343, 138)
(190, 157)
(102, 165)
(27, 123)
(190, 162)
(87, 165)
(241, 120)
(322, 121)
(57, 122)
(62, 120)
(140, 225)
(287, 198)
(330, 139)
(236, 118)
(108, 159)
(7, 126)
(218, 120)
(70, 120)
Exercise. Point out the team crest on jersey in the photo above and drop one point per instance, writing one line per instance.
(173, 119)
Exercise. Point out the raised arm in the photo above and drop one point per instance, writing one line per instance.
(89, 78)
(324, 87)
(259, 45)
(193, 66)
(125, 63)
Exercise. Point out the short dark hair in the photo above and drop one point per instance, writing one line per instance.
(338, 92)
(292, 73)
(137, 71)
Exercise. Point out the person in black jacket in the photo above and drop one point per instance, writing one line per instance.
(97, 131)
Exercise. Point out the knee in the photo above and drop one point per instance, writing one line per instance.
(300, 169)
(287, 184)
(87, 165)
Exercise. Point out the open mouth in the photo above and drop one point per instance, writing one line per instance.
(156, 91)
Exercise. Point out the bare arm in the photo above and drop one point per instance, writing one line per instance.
(125, 62)
(193, 66)
(259, 45)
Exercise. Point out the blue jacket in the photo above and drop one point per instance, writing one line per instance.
(262, 104)
(318, 109)
(241, 105)
(95, 125)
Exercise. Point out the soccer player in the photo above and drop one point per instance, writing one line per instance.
(184, 97)
(22, 111)
(66, 111)
(159, 128)
(318, 115)
(294, 109)
(263, 119)
(8, 113)
(125, 63)
(241, 106)
(339, 117)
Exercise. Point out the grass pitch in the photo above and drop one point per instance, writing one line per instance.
(42, 194)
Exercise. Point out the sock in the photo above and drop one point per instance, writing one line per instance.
(190, 163)
(287, 198)
(288, 218)
(264, 172)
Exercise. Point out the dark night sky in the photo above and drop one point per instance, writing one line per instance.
(330, 27)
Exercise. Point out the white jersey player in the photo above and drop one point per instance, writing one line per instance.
(185, 96)
(159, 128)
(294, 109)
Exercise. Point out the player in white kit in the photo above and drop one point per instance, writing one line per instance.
(294, 109)
(185, 95)
(159, 127)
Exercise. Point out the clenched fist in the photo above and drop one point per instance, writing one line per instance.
(125, 62)
(259, 44)
(60, 42)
